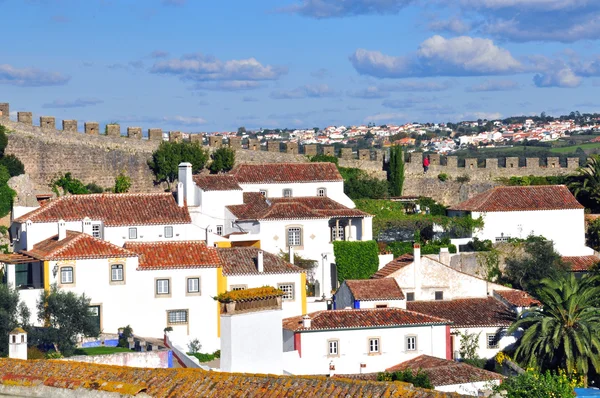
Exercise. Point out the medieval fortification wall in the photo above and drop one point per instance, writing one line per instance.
(95, 156)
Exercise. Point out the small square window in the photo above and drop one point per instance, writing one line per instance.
(66, 275)
(96, 231)
(263, 192)
(410, 296)
(168, 232)
(162, 287)
(288, 290)
(193, 285)
(116, 272)
(287, 193)
(333, 348)
(220, 230)
(132, 233)
(321, 192)
(337, 233)
(492, 341)
(439, 295)
(177, 317)
(238, 287)
(294, 236)
(411, 343)
(381, 306)
(374, 346)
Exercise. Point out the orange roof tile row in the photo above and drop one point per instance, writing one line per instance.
(529, 198)
(243, 261)
(518, 298)
(468, 312)
(218, 182)
(274, 173)
(76, 246)
(174, 255)
(393, 266)
(581, 263)
(184, 383)
(113, 210)
(375, 289)
(362, 318)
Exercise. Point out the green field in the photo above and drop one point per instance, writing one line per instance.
(573, 148)
(100, 350)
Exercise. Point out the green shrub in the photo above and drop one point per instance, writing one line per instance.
(35, 353)
(206, 357)
(6, 199)
(4, 175)
(532, 384)
(356, 260)
(443, 177)
(223, 160)
(122, 183)
(92, 187)
(13, 164)
(432, 247)
(418, 379)
(123, 337)
(324, 158)
(462, 179)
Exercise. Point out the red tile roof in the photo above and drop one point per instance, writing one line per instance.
(581, 263)
(470, 312)
(192, 383)
(112, 209)
(540, 197)
(218, 182)
(76, 246)
(274, 173)
(443, 372)
(393, 266)
(257, 207)
(174, 255)
(362, 318)
(243, 260)
(518, 298)
(375, 289)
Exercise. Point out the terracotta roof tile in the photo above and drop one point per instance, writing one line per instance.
(242, 261)
(76, 246)
(217, 182)
(393, 266)
(375, 289)
(518, 298)
(470, 312)
(174, 255)
(188, 383)
(581, 263)
(112, 209)
(257, 207)
(443, 372)
(362, 318)
(503, 198)
(285, 172)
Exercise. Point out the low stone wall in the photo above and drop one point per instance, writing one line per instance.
(180, 352)
(149, 359)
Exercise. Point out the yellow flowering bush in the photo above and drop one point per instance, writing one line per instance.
(249, 294)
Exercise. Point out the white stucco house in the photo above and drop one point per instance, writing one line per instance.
(517, 212)
(361, 340)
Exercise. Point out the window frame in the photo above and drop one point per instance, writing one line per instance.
(410, 296)
(337, 348)
(135, 234)
(300, 236)
(187, 286)
(377, 341)
(324, 192)
(285, 191)
(219, 230)
(335, 235)
(61, 269)
(177, 323)
(168, 228)
(407, 343)
(264, 192)
(99, 232)
(113, 281)
(238, 287)
(441, 294)
(293, 291)
(495, 337)
(156, 292)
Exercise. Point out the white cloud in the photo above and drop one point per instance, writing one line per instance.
(453, 25)
(228, 85)
(30, 77)
(312, 91)
(344, 8)
(494, 85)
(557, 78)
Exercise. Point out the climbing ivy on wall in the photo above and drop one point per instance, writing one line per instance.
(356, 260)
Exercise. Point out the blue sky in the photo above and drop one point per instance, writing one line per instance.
(202, 65)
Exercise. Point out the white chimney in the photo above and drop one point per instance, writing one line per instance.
(86, 226)
(306, 322)
(27, 228)
(417, 268)
(444, 256)
(291, 251)
(260, 265)
(185, 177)
(62, 229)
(17, 344)
(210, 240)
(180, 194)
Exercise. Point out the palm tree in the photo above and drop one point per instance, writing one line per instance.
(564, 331)
(587, 180)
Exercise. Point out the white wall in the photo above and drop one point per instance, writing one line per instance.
(566, 228)
(354, 349)
(389, 303)
(482, 351)
(259, 350)
(290, 307)
(335, 190)
(470, 389)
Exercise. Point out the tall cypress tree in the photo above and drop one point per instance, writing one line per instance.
(396, 170)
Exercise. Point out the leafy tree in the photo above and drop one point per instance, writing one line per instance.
(13, 164)
(68, 184)
(241, 131)
(223, 160)
(539, 261)
(396, 170)
(4, 175)
(66, 315)
(166, 159)
(122, 183)
(592, 235)
(359, 185)
(3, 139)
(92, 187)
(417, 379)
(564, 331)
(586, 183)
(532, 384)
(324, 158)
(12, 314)
(6, 199)
(356, 260)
